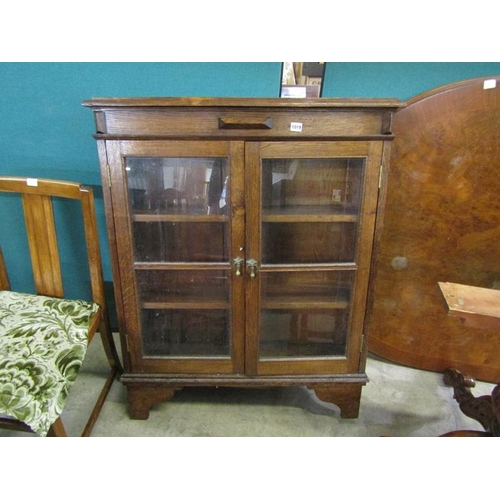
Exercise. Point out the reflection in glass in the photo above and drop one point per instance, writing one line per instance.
(303, 333)
(183, 288)
(184, 312)
(178, 185)
(301, 242)
(309, 184)
(185, 332)
(305, 314)
(181, 241)
(179, 209)
(310, 209)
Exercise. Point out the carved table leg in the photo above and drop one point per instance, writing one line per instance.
(480, 408)
(495, 400)
(346, 396)
(142, 397)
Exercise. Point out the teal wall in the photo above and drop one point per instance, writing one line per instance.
(401, 80)
(45, 132)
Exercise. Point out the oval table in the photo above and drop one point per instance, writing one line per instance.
(441, 224)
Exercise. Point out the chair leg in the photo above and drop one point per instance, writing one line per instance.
(116, 370)
(114, 373)
(110, 347)
(57, 429)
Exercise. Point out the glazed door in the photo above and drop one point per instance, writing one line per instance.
(179, 222)
(310, 222)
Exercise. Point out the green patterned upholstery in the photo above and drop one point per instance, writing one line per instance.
(43, 341)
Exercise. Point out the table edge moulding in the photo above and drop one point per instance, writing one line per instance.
(343, 141)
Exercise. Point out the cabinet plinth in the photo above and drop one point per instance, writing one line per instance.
(242, 249)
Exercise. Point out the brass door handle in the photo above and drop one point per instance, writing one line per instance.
(238, 262)
(252, 265)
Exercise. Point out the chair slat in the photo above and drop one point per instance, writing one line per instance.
(42, 239)
(93, 249)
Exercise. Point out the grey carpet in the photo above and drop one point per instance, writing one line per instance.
(398, 401)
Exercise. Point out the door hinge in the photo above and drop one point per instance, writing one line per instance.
(380, 176)
(108, 171)
(362, 344)
(127, 345)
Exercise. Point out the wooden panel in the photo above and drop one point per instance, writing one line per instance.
(232, 102)
(248, 118)
(442, 223)
(237, 193)
(475, 306)
(42, 240)
(253, 184)
(179, 123)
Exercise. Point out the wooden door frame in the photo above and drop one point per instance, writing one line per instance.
(255, 152)
(124, 260)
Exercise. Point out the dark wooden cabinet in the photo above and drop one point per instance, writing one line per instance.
(241, 235)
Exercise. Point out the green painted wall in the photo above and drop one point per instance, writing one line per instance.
(45, 132)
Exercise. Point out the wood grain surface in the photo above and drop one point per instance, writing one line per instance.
(442, 223)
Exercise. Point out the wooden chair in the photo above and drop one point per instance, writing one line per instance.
(44, 336)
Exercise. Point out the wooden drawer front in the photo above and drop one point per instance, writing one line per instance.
(230, 123)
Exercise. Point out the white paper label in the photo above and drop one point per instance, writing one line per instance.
(32, 182)
(489, 84)
(294, 91)
(295, 127)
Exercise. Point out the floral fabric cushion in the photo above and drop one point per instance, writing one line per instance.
(43, 341)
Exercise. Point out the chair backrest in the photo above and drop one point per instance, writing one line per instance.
(37, 197)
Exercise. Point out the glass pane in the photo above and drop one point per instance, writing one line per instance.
(181, 332)
(310, 209)
(191, 288)
(181, 241)
(178, 185)
(184, 312)
(299, 185)
(301, 242)
(179, 209)
(179, 215)
(305, 314)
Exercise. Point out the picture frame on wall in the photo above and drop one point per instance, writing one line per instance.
(302, 79)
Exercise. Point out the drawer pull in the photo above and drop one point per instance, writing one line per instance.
(245, 124)
(238, 262)
(252, 265)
